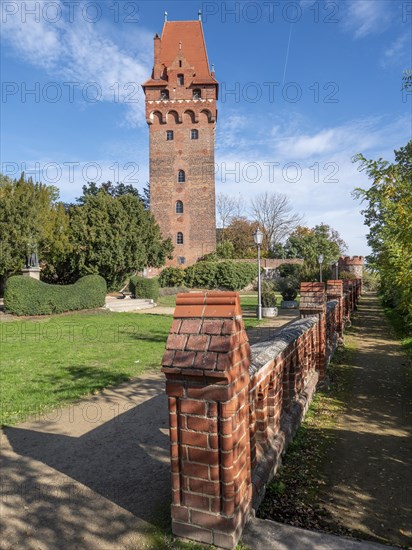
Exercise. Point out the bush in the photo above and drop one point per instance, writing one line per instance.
(172, 276)
(202, 274)
(140, 287)
(288, 288)
(370, 280)
(27, 296)
(268, 298)
(229, 275)
(172, 290)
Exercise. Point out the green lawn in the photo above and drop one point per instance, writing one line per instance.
(46, 362)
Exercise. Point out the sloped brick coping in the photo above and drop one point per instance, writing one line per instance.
(233, 409)
(266, 356)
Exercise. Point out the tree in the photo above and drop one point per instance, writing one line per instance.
(146, 196)
(273, 213)
(114, 190)
(240, 233)
(309, 244)
(114, 236)
(225, 208)
(30, 216)
(388, 214)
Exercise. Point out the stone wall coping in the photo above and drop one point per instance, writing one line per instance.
(331, 304)
(268, 350)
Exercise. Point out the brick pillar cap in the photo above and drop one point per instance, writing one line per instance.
(312, 296)
(207, 304)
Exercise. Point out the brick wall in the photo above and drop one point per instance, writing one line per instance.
(234, 408)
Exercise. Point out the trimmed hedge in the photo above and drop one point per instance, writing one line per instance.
(140, 287)
(27, 296)
(230, 275)
(172, 276)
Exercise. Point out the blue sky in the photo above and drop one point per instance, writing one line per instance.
(303, 87)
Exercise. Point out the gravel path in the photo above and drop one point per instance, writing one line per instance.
(369, 472)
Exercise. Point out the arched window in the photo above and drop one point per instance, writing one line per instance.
(179, 207)
(164, 94)
(197, 94)
(180, 79)
(169, 135)
(181, 176)
(194, 134)
(179, 238)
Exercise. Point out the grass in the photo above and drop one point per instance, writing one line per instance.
(292, 497)
(400, 328)
(50, 361)
(46, 362)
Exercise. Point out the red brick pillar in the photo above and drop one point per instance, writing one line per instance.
(206, 364)
(334, 291)
(313, 302)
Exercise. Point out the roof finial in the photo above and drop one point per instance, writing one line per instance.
(213, 67)
(199, 14)
(165, 15)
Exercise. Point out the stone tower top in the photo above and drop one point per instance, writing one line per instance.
(181, 49)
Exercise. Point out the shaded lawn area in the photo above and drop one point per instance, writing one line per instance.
(50, 361)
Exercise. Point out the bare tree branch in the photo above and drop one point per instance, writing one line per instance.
(226, 207)
(275, 216)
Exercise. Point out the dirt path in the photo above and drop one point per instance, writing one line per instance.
(369, 471)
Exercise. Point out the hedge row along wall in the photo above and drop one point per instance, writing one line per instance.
(234, 408)
(27, 296)
(226, 274)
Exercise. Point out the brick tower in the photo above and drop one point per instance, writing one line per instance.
(181, 113)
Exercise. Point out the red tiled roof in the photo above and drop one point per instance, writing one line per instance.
(190, 35)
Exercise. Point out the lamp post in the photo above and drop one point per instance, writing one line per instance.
(258, 238)
(320, 260)
(337, 270)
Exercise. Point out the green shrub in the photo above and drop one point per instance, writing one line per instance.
(289, 288)
(172, 290)
(202, 275)
(172, 276)
(268, 298)
(228, 274)
(140, 287)
(27, 296)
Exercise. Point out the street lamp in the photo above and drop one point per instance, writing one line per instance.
(320, 260)
(258, 238)
(337, 269)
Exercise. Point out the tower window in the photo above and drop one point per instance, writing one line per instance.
(180, 62)
(179, 238)
(181, 260)
(164, 94)
(197, 94)
(181, 176)
(169, 135)
(194, 134)
(179, 207)
(180, 79)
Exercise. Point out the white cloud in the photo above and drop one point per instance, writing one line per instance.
(83, 52)
(364, 17)
(314, 170)
(398, 53)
